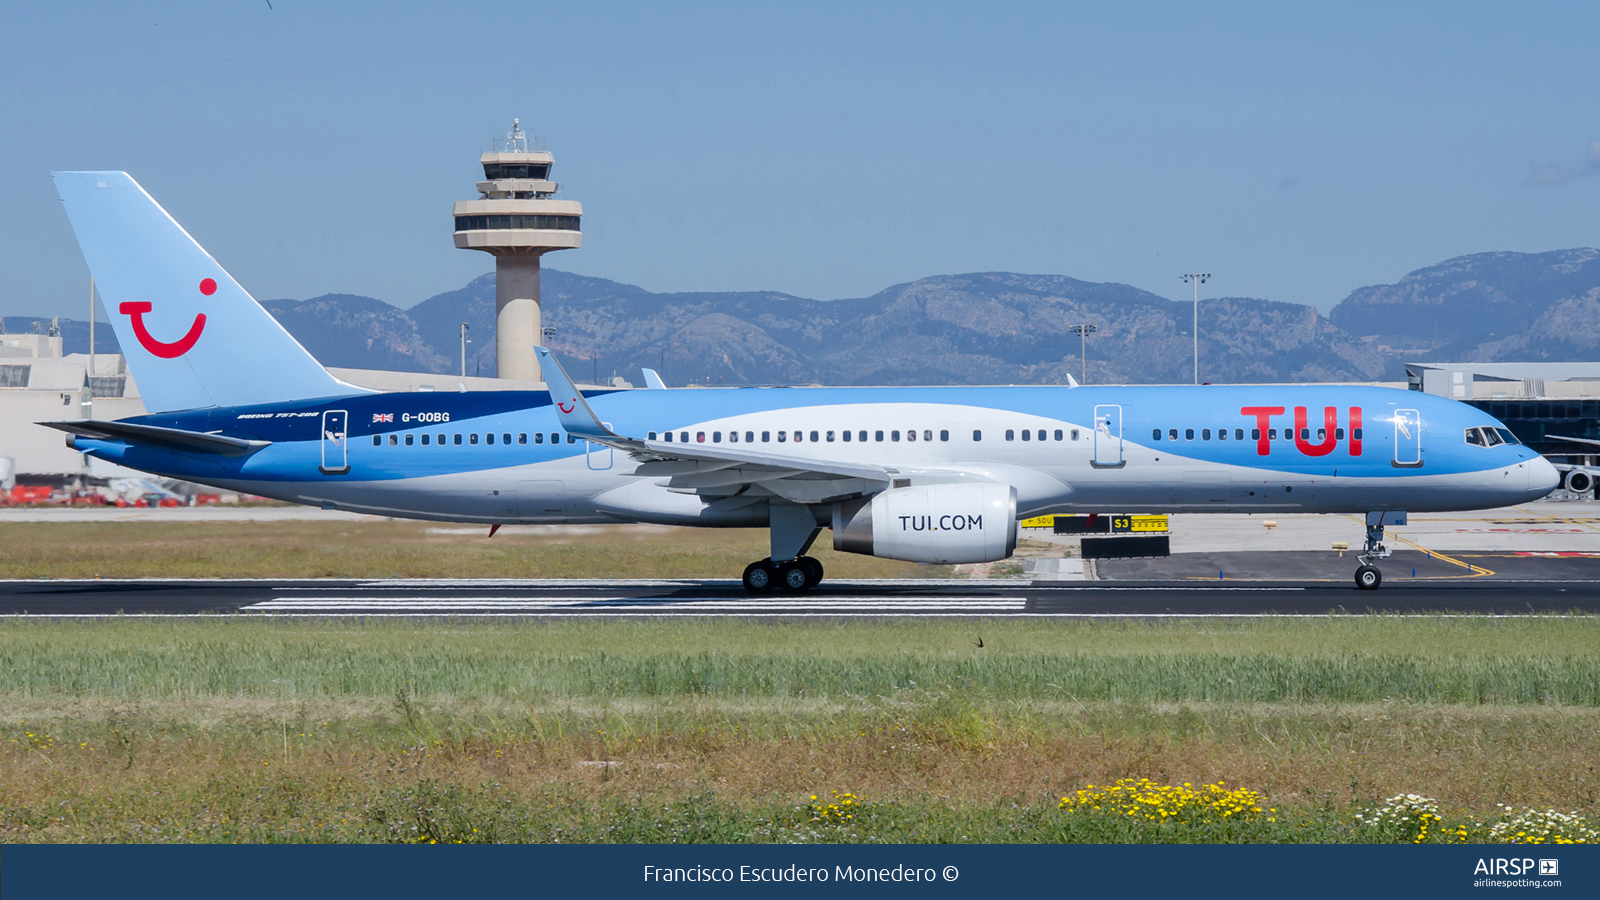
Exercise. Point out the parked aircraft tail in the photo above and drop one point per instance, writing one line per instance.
(193, 337)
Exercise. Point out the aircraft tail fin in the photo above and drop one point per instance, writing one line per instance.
(192, 336)
(652, 380)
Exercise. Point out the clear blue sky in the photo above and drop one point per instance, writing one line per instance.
(1295, 150)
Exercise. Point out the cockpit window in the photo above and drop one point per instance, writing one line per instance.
(1492, 437)
(1507, 436)
(1475, 437)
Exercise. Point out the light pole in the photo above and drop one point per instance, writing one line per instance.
(1083, 332)
(464, 343)
(1197, 280)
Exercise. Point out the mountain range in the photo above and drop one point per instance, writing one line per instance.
(979, 328)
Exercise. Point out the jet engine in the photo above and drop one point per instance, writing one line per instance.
(1579, 481)
(935, 523)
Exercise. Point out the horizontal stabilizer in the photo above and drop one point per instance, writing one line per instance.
(156, 436)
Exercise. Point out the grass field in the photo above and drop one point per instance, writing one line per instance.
(150, 730)
(382, 548)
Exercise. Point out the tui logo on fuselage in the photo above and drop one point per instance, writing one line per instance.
(1327, 435)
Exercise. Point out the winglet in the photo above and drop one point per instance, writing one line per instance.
(653, 381)
(573, 411)
(1071, 382)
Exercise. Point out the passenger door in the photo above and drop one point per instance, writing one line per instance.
(335, 442)
(599, 455)
(1108, 437)
(1407, 439)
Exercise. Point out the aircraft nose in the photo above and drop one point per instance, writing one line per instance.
(1542, 477)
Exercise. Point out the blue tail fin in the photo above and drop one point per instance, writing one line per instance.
(192, 336)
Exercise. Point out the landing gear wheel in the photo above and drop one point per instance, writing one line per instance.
(814, 568)
(1368, 578)
(760, 576)
(795, 576)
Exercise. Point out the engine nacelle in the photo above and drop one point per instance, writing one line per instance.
(935, 523)
(1578, 481)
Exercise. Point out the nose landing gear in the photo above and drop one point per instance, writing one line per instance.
(1367, 576)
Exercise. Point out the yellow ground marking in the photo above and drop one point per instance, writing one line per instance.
(1475, 571)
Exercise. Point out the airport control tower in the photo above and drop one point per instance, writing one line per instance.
(515, 219)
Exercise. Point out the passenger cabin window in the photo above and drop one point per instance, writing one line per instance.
(1172, 434)
(766, 436)
(489, 438)
(1238, 434)
(458, 440)
(878, 435)
(651, 436)
(1058, 433)
(1011, 434)
(1188, 434)
(830, 437)
(1075, 434)
(944, 435)
(1272, 434)
(894, 435)
(814, 436)
(1205, 434)
(683, 436)
(377, 440)
(977, 435)
(472, 438)
(749, 437)
(1027, 435)
(846, 436)
(716, 437)
(425, 440)
(555, 438)
(410, 439)
(538, 437)
(862, 437)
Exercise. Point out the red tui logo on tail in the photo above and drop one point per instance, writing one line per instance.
(566, 408)
(164, 350)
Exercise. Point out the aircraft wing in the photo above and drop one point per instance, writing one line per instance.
(711, 469)
(155, 435)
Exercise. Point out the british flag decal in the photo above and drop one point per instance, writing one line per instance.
(382, 417)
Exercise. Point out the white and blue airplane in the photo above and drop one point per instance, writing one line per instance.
(926, 474)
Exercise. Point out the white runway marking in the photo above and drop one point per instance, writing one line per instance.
(367, 605)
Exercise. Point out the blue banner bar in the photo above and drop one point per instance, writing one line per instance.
(242, 872)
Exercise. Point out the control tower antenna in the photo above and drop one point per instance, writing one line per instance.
(515, 220)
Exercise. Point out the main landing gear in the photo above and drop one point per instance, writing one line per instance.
(799, 574)
(794, 528)
(1367, 576)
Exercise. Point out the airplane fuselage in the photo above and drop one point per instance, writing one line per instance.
(503, 457)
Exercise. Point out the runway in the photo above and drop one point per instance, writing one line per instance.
(568, 599)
